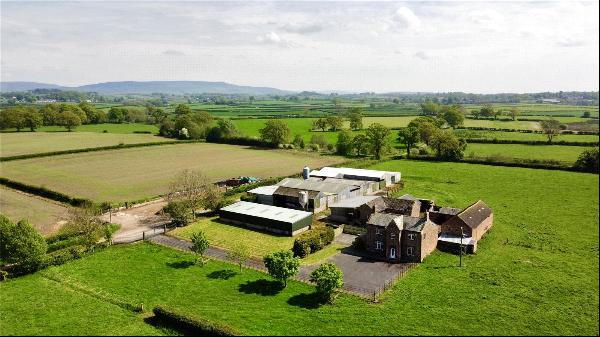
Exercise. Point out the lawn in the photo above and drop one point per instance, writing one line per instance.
(36, 306)
(228, 236)
(19, 143)
(41, 213)
(565, 154)
(137, 173)
(536, 272)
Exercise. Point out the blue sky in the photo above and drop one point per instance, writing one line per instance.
(353, 46)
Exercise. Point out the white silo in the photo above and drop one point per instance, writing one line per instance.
(306, 172)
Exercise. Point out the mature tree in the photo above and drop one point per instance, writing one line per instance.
(319, 123)
(75, 110)
(588, 161)
(117, 115)
(282, 265)
(239, 254)
(93, 115)
(452, 115)
(427, 131)
(447, 145)
(85, 222)
(514, 113)
(586, 114)
(21, 243)
(13, 117)
(32, 119)
(183, 109)
(298, 141)
(429, 108)
(70, 120)
(275, 132)
(136, 116)
(360, 144)
(355, 121)
(179, 211)
(335, 122)
(227, 128)
(378, 137)
(192, 190)
(328, 279)
(202, 118)
(167, 128)
(409, 136)
(200, 244)
(487, 110)
(319, 140)
(50, 114)
(475, 113)
(158, 115)
(344, 143)
(551, 128)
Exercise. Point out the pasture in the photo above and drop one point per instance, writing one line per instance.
(138, 173)
(502, 135)
(227, 236)
(565, 154)
(106, 128)
(20, 143)
(34, 305)
(536, 272)
(41, 213)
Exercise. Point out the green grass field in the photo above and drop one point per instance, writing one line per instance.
(228, 236)
(565, 154)
(41, 213)
(36, 306)
(110, 128)
(536, 271)
(464, 133)
(137, 173)
(19, 143)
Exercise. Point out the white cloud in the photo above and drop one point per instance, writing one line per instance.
(274, 38)
(423, 55)
(405, 18)
(302, 28)
(173, 52)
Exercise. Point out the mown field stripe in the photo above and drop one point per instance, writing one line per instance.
(93, 149)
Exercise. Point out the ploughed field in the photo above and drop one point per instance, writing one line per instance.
(21, 143)
(41, 213)
(138, 173)
(535, 272)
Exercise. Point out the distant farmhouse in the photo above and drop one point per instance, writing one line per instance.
(404, 229)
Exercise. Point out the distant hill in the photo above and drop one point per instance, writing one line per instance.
(25, 86)
(149, 87)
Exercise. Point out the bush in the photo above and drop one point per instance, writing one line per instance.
(359, 243)
(282, 265)
(21, 243)
(46, 193)
(192, 325)
(588, 161)
(328, 278)
(63, 256)
(313, 241)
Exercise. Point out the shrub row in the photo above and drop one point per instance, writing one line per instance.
(528, 142)
(313, 241)
(192, 325)
(248, 141)
(144, 132)
(46, 193)
(62, 256)
(512, 162)
(92, 149)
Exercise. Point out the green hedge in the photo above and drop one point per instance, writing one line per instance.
(192, 325)
(46, 193)
(312, 241)
(93, 149)
(528, 142)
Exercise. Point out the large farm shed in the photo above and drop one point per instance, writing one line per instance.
(265, 217)
(385, 178)
(320, 193)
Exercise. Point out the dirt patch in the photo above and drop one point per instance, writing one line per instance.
(139, 218)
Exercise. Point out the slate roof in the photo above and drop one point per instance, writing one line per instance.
(399, 206)
(474, 215)
(383, 219)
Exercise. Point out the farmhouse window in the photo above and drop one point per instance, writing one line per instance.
(411, 236)
(378, 232)
(392, 235)
(409, 251)
(379, 245)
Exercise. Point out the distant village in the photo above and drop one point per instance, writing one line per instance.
(404, 229)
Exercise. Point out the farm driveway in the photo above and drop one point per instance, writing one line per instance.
(137, 219)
